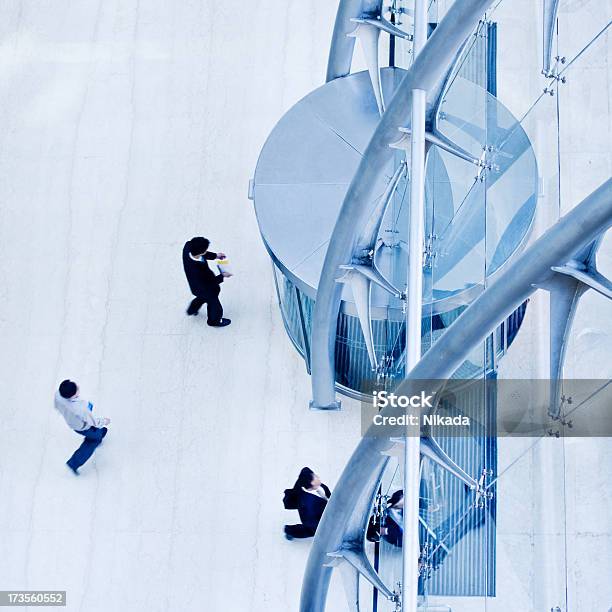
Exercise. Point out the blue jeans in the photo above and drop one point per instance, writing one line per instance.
(93, 437)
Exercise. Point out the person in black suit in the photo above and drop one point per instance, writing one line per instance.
(309, 497)
(393, 520)
(203, 282)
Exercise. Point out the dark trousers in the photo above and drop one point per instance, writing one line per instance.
(93, 437)
(299, 531)
(215, 310)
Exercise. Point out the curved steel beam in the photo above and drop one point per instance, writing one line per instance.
(426, 71)
(342, 47)
(362, 473)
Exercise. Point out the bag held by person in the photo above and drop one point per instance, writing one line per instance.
(290, 499)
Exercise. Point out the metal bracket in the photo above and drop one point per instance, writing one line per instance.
(570, 282)
(384, 371)
(368, 34)
(439, 140)
(429, 254)
(355, 558)
(360, 279)
(376, 277)
(483, 495)
(588, 276)
(360, 285)
(384, 26)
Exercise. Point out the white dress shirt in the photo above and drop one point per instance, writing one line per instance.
(76, 413)
(320, 492)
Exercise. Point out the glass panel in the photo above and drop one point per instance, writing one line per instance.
(458, 544)
(578, 23)
(523, 136)
(544, 148)
(584, 129)
(531, 519)
(391, 535)
(289, 308)
(519, 54)
(389, 334)
(457, 540)
(584, 136)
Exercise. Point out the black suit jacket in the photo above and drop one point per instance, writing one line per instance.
(203, 282)
(311, 507)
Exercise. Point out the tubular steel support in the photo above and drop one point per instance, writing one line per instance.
(414, 313)
(361, 476)
(342, 47)
(426, 72)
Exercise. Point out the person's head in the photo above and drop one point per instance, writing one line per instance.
(198, 246)
(315, 483)
(68, 389)
(396, 500)
(308, 479)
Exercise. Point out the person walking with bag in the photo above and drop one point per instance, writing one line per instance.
(309, 497)
(203, 282)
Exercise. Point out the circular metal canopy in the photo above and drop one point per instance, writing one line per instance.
(477, 216)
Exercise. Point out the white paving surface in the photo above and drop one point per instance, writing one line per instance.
(126, 128)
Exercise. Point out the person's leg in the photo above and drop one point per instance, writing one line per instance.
(195, 305)
(298, 531)
(93, 436)
(215, 310)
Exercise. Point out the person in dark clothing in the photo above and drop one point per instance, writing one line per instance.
(203, 282)
(393, 520)
(309, 497)
(78, 414)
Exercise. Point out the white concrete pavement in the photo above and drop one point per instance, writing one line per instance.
(126, 128)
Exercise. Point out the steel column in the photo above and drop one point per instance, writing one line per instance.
(414, 313)
(426, 72)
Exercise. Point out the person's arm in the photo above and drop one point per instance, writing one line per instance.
(210, 255)
(87, 415)
(309, 516)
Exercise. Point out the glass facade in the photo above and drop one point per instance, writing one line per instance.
(354, 374)
(522, 146)
(523, 548)
(462, 250)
